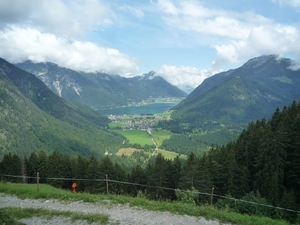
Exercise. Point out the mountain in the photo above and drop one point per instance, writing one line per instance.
(99, 90)
(34, 118)
(225, 103)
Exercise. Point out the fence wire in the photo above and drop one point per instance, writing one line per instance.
(157, 187)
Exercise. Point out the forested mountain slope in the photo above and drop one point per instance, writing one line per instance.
(247, 93)
(34, 118)
(218, 109)
(262, 167)
(264, 160)
(99, 90)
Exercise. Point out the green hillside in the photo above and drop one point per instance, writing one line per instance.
(33, 118)
(218, 109)
(258, 174)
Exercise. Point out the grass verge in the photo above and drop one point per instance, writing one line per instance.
(15, 214)
(208, 212)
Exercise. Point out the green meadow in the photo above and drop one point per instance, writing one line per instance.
(171, 155)
(116, 125)
(160, 135)
(136, 136)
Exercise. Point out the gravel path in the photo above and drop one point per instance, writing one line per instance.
(118, 214)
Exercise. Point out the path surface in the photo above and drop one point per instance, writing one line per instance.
(118, 214)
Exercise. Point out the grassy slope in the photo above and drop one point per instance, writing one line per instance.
(48, 192)
(160, 135)
(136, 136)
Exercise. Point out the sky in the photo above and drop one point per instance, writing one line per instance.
(184, 41)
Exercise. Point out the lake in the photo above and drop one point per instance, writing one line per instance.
(143, 109)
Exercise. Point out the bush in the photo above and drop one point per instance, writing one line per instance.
(187, 196)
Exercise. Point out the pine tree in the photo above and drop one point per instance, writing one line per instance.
(158, 176)
(80, 172)
(92, 185)
(137, 176)
(55, 169)
(189, 173)
(41, 166)
(32, 167)
(271, 163)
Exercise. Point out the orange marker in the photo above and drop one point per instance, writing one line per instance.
(74, 187)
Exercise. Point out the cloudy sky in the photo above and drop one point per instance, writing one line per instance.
(185, 41)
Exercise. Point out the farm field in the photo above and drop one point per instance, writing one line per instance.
(171, 155)
(136, 136)
(127, 151)
(116, 125)
(160, 135)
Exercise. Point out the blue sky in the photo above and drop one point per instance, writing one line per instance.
(184, 41)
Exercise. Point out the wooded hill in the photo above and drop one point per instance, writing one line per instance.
(99, 90)
(218, 109)
(261, 166)
(34, 118)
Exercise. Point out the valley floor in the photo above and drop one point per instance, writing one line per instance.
(118, 214)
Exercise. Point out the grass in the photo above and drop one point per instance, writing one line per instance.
(160, 135)
(15, 214)
(283, 79)
(127, 151)
(114, 125)
(206, 211)
(136, 136)
(171, 155)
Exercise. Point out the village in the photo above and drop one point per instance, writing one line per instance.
(140, 122)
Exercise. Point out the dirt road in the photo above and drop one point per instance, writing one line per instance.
(118, 214)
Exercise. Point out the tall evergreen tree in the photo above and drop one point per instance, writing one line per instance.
(92, 185)
(137, 176)
(189, 173)
(158, 176)
(271, 162)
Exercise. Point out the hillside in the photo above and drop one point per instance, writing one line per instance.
(226, 102)
(258, 174)
(99, 90)
(34, 118)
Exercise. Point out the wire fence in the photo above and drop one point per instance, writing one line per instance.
(157, 187)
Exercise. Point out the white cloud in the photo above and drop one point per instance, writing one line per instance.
(184, 77)
(132, 10)
(61, 17)
(261, 40)
(167, 7)
(192, 16)
(236, 35)
(19, 44)
(292, 3)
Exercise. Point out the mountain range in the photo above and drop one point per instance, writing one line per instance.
(226, 102)
(34, 118)
(99, 90)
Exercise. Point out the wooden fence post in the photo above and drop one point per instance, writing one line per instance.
(38, 181)
(212, 195)
(107, 184)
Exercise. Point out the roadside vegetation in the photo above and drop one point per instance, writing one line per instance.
(182, 207)
(12, 215)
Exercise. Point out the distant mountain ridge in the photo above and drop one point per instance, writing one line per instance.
(230, 100)
(34, 118)
(99, 90)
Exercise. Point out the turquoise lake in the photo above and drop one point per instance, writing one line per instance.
(144, 109)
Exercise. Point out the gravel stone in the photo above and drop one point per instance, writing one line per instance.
(118, 214)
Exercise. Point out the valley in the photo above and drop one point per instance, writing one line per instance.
(144, 138)
(199, 143)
